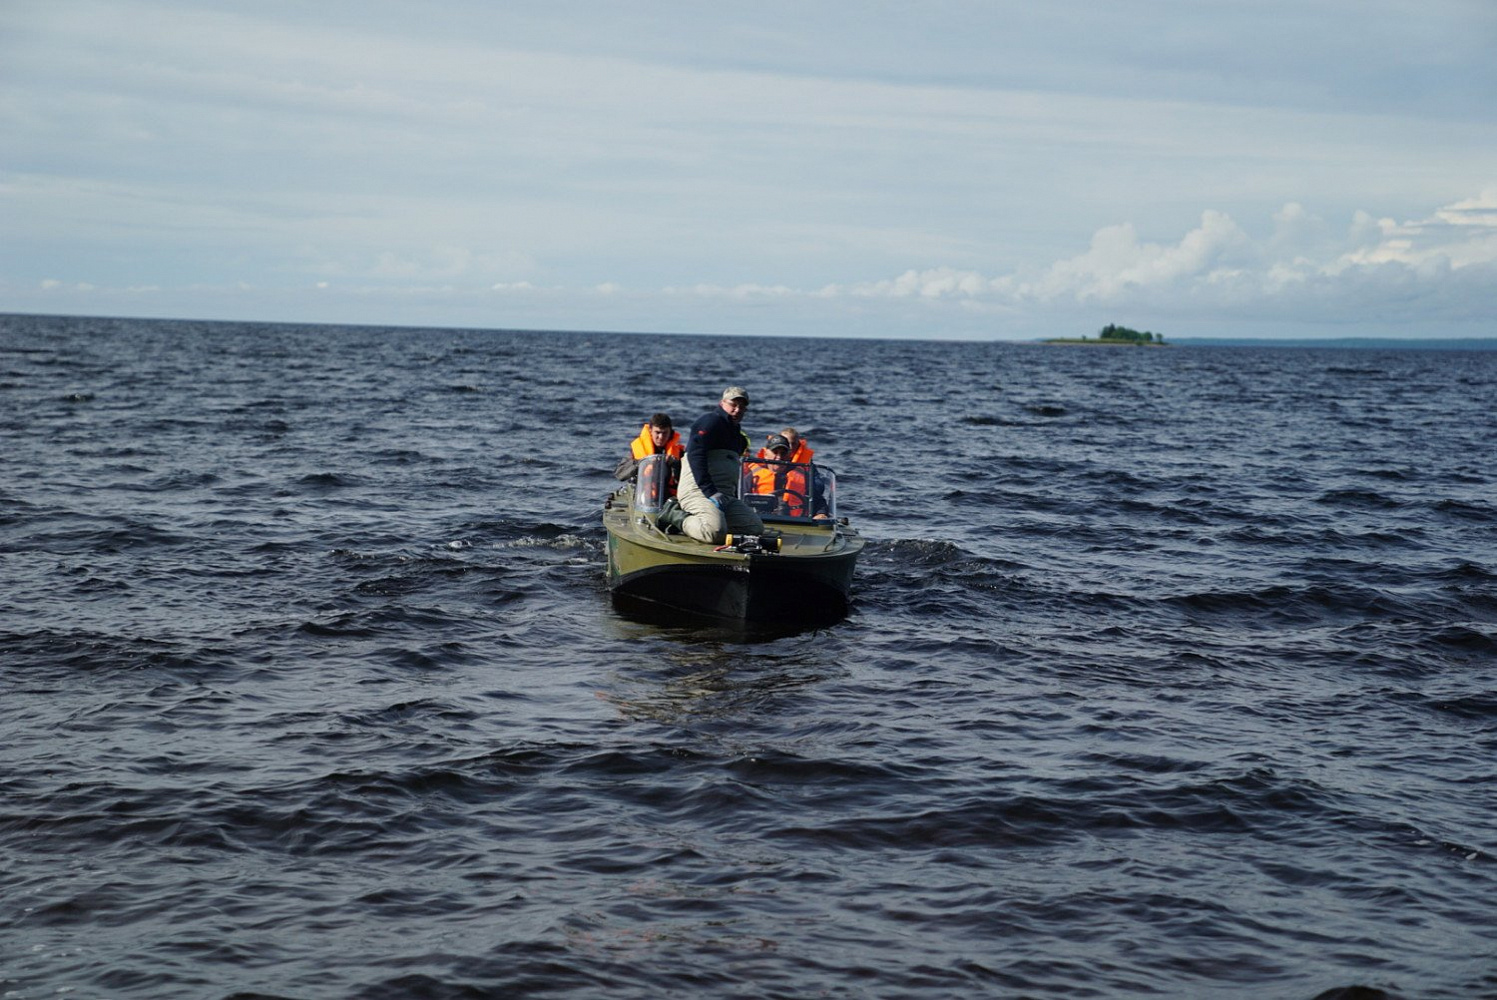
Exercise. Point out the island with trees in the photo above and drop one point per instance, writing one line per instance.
(1113, 335)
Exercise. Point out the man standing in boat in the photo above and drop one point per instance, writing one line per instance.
(708, 507)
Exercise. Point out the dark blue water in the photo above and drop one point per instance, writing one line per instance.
(1169, 673)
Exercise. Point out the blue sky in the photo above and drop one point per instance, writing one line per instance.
(954, 168)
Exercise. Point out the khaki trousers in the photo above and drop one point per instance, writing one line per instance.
(704, 521)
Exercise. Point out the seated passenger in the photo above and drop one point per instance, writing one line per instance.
(657, 437)
(787, 483)
(799, 450)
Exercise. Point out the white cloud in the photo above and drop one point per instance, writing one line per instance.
(1377, 264)
(931, 283)
(1438, 267)
(1462, 234)
(741, 292)
(1118, 261)
(1478, 211)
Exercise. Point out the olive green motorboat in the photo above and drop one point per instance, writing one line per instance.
(799, 569)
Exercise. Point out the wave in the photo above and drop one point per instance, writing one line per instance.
(1358, 500)
(1173, 654)
(1303, 604)
(1257, 803)
(1463, 510)
(330, 481)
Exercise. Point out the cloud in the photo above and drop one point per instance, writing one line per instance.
(743, 292)
(1462, 234)
(1478, 211)
(931, 283)
(1118, 261)
(1437, 268)
(1446, 262)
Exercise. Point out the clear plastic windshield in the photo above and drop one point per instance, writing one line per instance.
(652, 483)
(788, 491)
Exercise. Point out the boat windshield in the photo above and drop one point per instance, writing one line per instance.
(788, 491)
(652, 483)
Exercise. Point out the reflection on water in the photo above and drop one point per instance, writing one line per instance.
(678, 673)
(698, 689)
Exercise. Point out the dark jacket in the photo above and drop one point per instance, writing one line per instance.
(711, 431)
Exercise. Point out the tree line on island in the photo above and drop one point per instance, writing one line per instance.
(1114, 334)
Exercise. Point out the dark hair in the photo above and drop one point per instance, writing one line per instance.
(660, 420)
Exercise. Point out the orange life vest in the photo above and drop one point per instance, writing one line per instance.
(645, 445)
(802, 453)
(771, 479)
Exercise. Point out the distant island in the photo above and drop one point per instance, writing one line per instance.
(1113, 335)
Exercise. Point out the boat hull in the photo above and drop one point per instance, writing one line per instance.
(808, 579)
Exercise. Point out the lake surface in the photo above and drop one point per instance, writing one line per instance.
(1170, 672)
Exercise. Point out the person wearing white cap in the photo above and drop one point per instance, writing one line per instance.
(708, 507)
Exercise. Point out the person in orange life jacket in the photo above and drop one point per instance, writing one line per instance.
(787, 481)
(657, 437)
(708, 506)
(799, 450)
(791, 479)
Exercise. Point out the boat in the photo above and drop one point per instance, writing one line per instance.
(800, 569)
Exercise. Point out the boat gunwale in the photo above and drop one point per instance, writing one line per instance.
(649, 536)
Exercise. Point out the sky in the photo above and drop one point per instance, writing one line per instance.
(952, 169)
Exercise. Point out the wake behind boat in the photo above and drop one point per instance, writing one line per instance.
(799, 569)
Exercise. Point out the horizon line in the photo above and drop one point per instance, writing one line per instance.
(1232, 340)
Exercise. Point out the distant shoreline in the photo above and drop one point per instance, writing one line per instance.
(1309, 343)
(1362, 343)
(1373, 343)
(1099, 342)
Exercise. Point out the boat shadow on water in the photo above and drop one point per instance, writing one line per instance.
(669, 622)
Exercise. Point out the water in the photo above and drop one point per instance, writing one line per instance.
(1170, 673)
